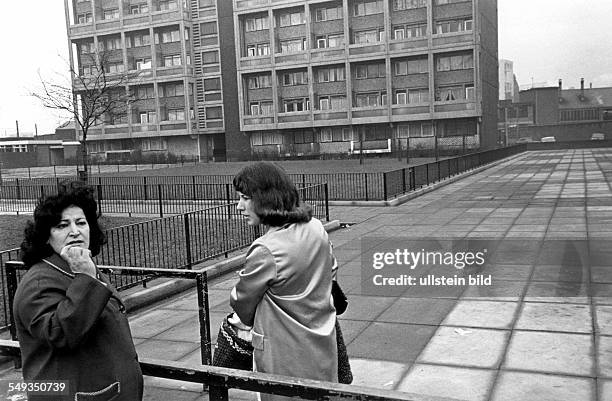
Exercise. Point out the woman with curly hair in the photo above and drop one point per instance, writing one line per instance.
(284, 291)
(70, 322)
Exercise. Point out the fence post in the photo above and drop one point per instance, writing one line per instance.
(144, 183)
(18, 188)
(404, 180)
(229, 201)
(11, 287)
(385, 186)
(365, 177)
(159, 196)
(99, 200)
(188, 241)
(326, 203)
(54, 172)
(303, 180)
(42, 191)
(412, 178)
(193, 187)
(427, 173)
(29, 173)
(439, 173)
(204, 317)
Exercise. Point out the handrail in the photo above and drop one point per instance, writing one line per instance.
(220, 380)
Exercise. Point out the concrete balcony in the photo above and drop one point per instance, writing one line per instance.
(409, 109)
(453, 39)
(369, 49)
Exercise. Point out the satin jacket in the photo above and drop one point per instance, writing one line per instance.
(284, 293)
(73, 327)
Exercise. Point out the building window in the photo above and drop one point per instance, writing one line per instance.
(370, 36)
(138, 39)
(365, 71)
(117, 119)
(214, 113)
(148, 117)
(440, 2)
(260, 81)
(401, 96)
(145, 92)
(370, 99)
(367, 7)
(113, 68)
(168, 36)
(293, 45)
(87, 47)
(143, 63)
(139, 8)
(294, 78)
(331, 102)
(171, 89)
(211, 57)
(176, 115)
(291, 18)
(330, 74)
(580, 115)
(84, 18)
(408, 4)
(111, 13)
(212, 84)
(414, 130)
(166, 5)
(414, 66)
(333, 40)
(264, 108)
(260, 49)
(258, 23)
(153, 144)
(172, 61)
(455, 62)
(293, 105)
(418, 96)
(325, 135)
(409, 31)
(208, 28)
(110, 44)
(89, 70)
(328, 13)
(458, 25)
(469, 92)
(450, 93)
(456, 127)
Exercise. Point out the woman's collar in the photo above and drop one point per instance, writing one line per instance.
(58, 263)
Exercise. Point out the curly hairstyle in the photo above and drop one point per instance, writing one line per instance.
(48, 213)
(276, 200)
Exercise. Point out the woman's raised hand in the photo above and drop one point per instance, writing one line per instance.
(79, 260)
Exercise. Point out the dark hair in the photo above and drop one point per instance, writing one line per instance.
(48, 213)
(276, 200)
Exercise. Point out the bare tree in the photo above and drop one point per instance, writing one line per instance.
(96, 95)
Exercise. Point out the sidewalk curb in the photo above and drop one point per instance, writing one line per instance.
(422, 191)
(148, 296)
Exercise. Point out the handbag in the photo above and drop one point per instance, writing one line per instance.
(232, 351)
(340, 300)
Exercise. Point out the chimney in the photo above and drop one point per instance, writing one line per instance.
(590, 85)
(560, 84)
(581, 88)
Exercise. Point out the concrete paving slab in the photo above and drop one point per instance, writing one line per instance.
(391, 342)
(462, 346)
(601, 274)
(150, 323)
(561, 273)
(429, 311)
(351, 328)
(501, 290)
(604, 356)
(605, 390)
(485, 314)
(377, 373)
(559, 353)
(510, 272)
(555, 317)
(566, 292)
(165, 350)
(603, 319)
(448, 381)
(513, 386)
(362, 307)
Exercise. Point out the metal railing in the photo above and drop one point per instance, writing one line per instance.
(219, 380)
(5, 256)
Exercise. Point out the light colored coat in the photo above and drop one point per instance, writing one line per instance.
(284, 292)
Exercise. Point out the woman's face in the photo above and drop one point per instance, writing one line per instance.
(246, 209)
(72, 230)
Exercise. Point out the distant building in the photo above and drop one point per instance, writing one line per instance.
(508, 85)
(567, 114)
(36, 152)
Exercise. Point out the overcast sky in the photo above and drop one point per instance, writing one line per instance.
(546, 39)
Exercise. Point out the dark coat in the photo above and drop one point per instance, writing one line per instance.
(73, 327)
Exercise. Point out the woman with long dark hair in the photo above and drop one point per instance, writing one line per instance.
(284, 290)
(70, 322)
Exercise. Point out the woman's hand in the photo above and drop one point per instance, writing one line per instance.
(79, 260)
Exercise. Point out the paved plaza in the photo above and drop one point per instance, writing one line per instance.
(541, 331)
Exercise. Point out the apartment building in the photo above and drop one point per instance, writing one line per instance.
(299, 77)
(508, 85)
(321, 77)
(171, 53)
